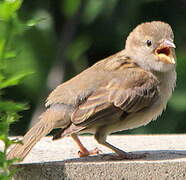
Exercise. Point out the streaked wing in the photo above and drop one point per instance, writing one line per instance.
(118, 95)
(95, 107)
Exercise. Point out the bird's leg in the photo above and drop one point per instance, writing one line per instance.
(101, 138)
(122, 154)
(83, 152)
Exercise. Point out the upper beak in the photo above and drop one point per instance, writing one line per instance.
(167, 43)
(165, 52)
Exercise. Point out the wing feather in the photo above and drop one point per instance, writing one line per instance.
(117, 95)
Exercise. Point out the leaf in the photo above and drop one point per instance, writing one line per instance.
(4, 127)
(1, 77)
(6, 119)
(11, 106)
(2, 44)
(2, 158)
(14, 4)
(10, 55)
(14, 80)
(3, 137)
(8, 8)
(9, 142)
(11, 117)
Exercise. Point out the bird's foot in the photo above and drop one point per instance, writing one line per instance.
(125, 155)
(86, 153)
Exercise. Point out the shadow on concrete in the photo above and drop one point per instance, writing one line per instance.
(151, 155)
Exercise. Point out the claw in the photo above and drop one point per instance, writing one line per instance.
(86, 153)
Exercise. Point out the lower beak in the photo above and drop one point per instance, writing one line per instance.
(165, 52)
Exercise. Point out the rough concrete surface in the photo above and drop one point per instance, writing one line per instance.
(57, 160)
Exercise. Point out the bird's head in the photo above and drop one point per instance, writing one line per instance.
(151, 46)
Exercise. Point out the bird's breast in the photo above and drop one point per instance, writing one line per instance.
(143, 117)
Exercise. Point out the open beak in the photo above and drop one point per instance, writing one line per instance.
(165, 52)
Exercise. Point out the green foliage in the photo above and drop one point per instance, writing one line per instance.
(11, 26)
(70, 7)
(8, 9)
(13, 80)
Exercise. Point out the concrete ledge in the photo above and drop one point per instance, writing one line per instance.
(56, 160)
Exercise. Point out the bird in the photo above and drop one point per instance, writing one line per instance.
(123, 91)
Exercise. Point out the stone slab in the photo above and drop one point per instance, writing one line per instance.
(56, 160)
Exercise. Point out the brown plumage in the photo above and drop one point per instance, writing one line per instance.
(123, 91)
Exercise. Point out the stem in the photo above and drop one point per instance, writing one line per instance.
(6, 43)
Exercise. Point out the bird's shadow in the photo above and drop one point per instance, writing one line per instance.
(151, 155)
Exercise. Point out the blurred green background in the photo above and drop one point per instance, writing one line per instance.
(74, 34)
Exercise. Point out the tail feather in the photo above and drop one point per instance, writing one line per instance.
(42, 128)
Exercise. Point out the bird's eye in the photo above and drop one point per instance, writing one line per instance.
(149, 43)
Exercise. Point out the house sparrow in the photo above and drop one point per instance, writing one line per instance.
(123, 91)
